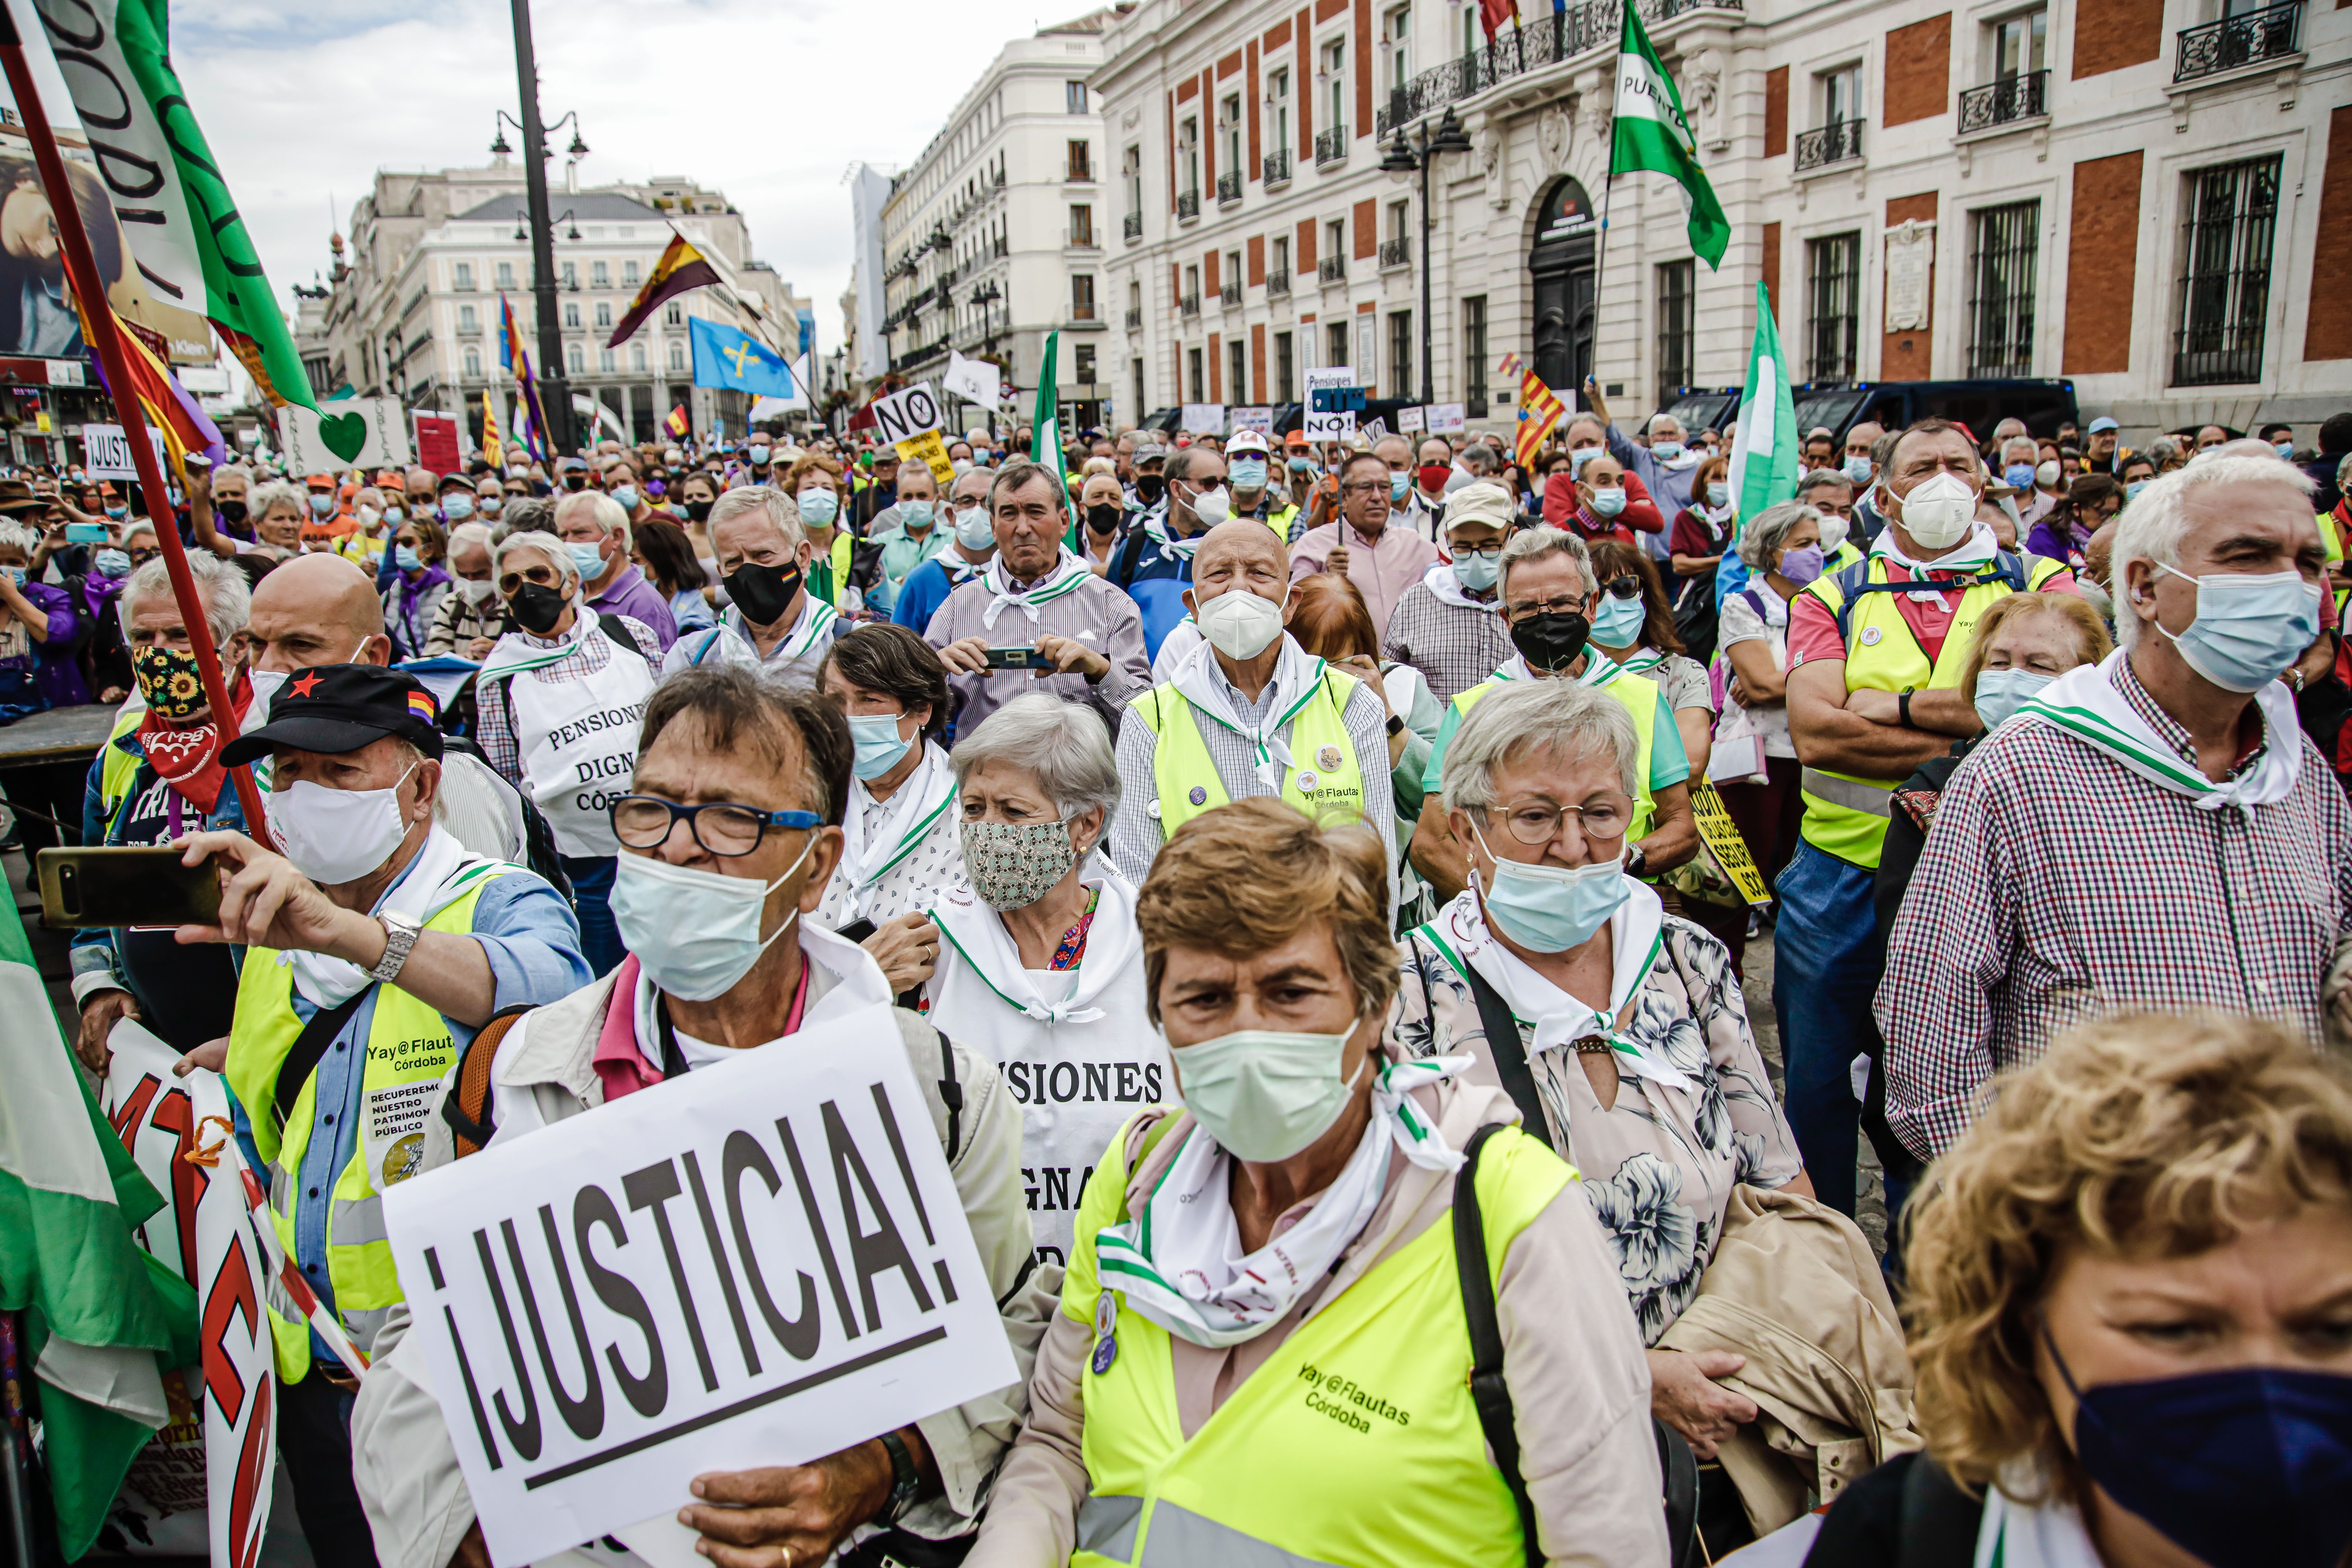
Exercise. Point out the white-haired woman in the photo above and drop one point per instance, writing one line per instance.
(279, 511)
(556, 709)
(1629, 1022)
(1040, 965)
(1782, 548)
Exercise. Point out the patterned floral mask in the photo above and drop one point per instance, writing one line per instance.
(168, 682)
(1012, 864)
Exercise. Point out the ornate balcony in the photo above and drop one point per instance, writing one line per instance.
(1835, 142)
(2249, 38)
(2015, 98)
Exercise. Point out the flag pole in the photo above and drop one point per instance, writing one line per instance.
(98, 313)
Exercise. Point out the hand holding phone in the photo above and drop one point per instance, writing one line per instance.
(1011, 657)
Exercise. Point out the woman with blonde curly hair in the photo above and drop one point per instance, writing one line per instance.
(2131, 1315)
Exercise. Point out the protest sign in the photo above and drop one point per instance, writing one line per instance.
(106, 451)
(1331, 375)
(437, 445)
(1721, 835)
(1203, 419)
(1445, 418)
(1375, 429)
(776, 1268)
(1329, 426)
(1259, 418)
(973, 380)
(932, 453)
(349, 433)
(1410, 419)
(907, 414)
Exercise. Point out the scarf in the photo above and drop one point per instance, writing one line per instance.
(1067, 575)
(519, 650)
(2083, 703)
(1636, 936)
(1718, 520)
(1638, 661)
(1447, 589)
(906, 818)
(1297, 676)
(1155, 529)
(1973, 554)
(1600, 670)
(977, 934)
(442, 872)
(189, 759)
(1180, 1262)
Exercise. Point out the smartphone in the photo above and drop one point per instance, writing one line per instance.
(125, 886)
(198, 461)
(86, 533)
(1014, 658)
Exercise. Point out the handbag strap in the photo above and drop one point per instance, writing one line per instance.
(1510, 1053)
(1489, 1390)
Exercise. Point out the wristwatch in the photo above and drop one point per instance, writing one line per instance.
(399, 935)
(1396, 723)
(1637, 861)
(905, 1482)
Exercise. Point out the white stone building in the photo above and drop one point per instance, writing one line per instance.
(2143, 197)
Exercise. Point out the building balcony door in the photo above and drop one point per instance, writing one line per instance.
(1561, 261)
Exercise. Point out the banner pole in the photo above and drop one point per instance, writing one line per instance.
(98, 313)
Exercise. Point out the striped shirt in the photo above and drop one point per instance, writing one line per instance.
(1453, 646)
(1094, 613)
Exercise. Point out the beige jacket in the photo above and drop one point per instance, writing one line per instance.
(401, 1459)
(1793, 1288)
(1579, 1383)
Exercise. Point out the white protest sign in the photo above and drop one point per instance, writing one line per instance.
(1203, 419)
(1376, 429)
(348, 433)
(106, 452)
(1447, 418)
(1410, 419)
(1329, 426)
(760, 1264)
(1259, 418)
(905, 414)
(1331, 375)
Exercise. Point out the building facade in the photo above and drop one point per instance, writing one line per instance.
(413, 310)
(2147, 197)
(998, 234)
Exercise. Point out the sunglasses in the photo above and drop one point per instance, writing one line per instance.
(1626, 587)
(511, 582)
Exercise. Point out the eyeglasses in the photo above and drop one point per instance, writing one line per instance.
(1568, 607)
(1482, 551)
(1365, 487)
(1534, 820)
(721, 827)
(1626, 587)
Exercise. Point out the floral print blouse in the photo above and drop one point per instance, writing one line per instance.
(1659, 1164)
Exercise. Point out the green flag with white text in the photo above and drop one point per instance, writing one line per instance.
(1652, 132)
(1765, 444)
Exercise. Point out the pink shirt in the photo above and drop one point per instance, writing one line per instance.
(1382, 568)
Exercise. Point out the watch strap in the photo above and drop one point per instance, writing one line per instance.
(400, 935)
(905, 1480)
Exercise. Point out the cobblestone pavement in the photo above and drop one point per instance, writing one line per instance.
(1871, 1201)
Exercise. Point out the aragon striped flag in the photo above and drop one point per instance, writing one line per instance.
(1652, 132)
(681, 268)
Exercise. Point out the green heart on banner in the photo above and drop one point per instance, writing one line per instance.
(344, 433)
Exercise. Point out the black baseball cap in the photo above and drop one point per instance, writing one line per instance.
(338, 708)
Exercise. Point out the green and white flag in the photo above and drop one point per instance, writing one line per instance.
(184, 230)
(1766, 446)
(1045, 424)
(1652, 132)
(100, 1319)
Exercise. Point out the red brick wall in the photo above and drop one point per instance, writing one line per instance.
(1250, 105)
(2102, 258)
(1366, 225)
(1209, 284)
(1256, 260)
(1257, 362)
(1776, 111)
(1772, 269)
(1216, 369)
(1302, 95)
(1907, 356)
(1363, 125)
(1305, 266)
(2112, 34)
(1920, 71)
(2328, 333)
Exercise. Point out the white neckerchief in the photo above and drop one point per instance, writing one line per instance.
(807, 626)
(1155, 529)
(906, 818)
(1068, 575)
(1640, 660)
(2015, 1535)
(1440, 581)
(1717, 516)
(1974, 552)
(440, 875)
(857, 985)
(1113, 939)
(519, 650)
(2083, 703)
(1180, 1263)
(1201, 681)
(1636, 934)
(1600, 670)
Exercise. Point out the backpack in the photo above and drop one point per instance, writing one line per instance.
(1855, 581)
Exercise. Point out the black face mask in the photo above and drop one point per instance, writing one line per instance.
(1103, 516)
(1149, 487)
(231, 510)
(763, 593)
(1551, 639)
(536, 608)
(699, 511)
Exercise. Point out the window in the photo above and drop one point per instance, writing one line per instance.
(2002, 245)
(677, 356)
(572, 313)
(1074, 94)
(468, 321)
(2018, 44)
(1469, 30)
(1474, 356)
(1082, 223)
(629, 277)
(1188, 141)
(672, 314)
(1192, 363)
(1840, 94)
(1236, 365)
(1286, 370)
(1131, 171)
(570, 275)
(1278, 89)
(1677, 325)
(463, 276)
(1081, 164)
(1399, 49)
(637, 357)
(473, 364)
(506, 275)
(604, 314)
(1833, 288)
(1135, 368)
(1085, 363)
(1082, 295)
(574, 359)
(1234, 133)
(1336, 340)
(1335, 249)
(1233, 273)
(2227, 221)
(1399, 354)
(1397, 213)
(1280, 263)
(605, 360)
(600, 275)
(1335, 77)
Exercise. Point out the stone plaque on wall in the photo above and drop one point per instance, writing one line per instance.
(1910, 256)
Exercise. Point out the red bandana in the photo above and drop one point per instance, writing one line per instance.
(189, 759)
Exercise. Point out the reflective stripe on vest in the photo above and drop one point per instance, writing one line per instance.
(1638, 694)
(117, 767)
(1186, 775)
(1845, 815)
(1355, 1442)
(409, 1048)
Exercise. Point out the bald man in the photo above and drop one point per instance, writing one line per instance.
(1248, 712)
(323, 609)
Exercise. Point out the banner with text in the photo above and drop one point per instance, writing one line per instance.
(349, 433)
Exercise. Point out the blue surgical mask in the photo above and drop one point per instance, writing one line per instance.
(1477, 573)
(1665, 451)
(2250, 628)
(118, 513)
(2019, 474)
(2001, 692)
(2133, 487)
(1718, 493)
(695, 933)
(624, 494)
(1400, 485)
(1552, 909)
(1247, 473)
(759, 454)
(455, 507)
(407, 559)
(490, 505)
(111, 563)
(2286, 450)
(1301, 465)
(1608, 500)
(1857, 469)
(880, 745)
(1581, 456)
(915, 513)
(393, 514)
(973, 529)
(588, 559)
(818, 507)
(16, 574)
(322, 504)
(1618, 622)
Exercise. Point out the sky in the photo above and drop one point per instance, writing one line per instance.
(769, 101)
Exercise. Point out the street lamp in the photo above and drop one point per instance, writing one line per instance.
(1404, 158)
(555, 403)
(986, 295)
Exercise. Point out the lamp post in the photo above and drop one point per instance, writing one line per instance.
(555, 393)
(986, 296)
(1404, 158)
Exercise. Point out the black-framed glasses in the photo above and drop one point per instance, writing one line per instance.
(1626, 587)
(1482, 551)
(721, 826)
(1572, 605)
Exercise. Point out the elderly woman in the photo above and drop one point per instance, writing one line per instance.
(420, 580)
(1261, 1350)
(471, 617)
(1629, 1022)
(1041, 969)
(900, 843)
(2128, 1315)
(556, 707)
(814, 481)
(279, 510)
(1783, 549)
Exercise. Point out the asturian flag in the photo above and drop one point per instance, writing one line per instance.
(1652, 132)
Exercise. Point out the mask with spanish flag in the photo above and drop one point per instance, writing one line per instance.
(168, 682)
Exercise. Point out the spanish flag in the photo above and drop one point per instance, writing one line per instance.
(492, 449)
(679, 424)
(681, 268)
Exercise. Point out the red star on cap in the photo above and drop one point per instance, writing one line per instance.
(302, 688)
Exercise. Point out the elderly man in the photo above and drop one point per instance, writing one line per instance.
(1449, 626)
(1250, 466)
(1248, 712)
(1081, 638)
(374, 948)
(971, 534)
(422, 489)
(489, 498)
(1859, 465)
(767, 769)
(2105, 454)
(1820, 447)
(2209, 436)
(1360, 545)
(773, 622)
(1548, 595)
(1830, 492)
(1665, 465)
(2216, 869)
(1424, 501)
(595, 529)
(1875, 653)
(159, 776)
(877, 493)
(618, 476)
(905, 534)
(469, 619)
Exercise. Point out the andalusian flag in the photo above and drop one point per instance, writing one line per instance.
(1765, 447)
(493, 450)
(681, 268)
(101, 1319)
(1045, 422)
(1654, 133)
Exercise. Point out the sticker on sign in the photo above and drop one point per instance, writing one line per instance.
(903, 415)
(757, 1265)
